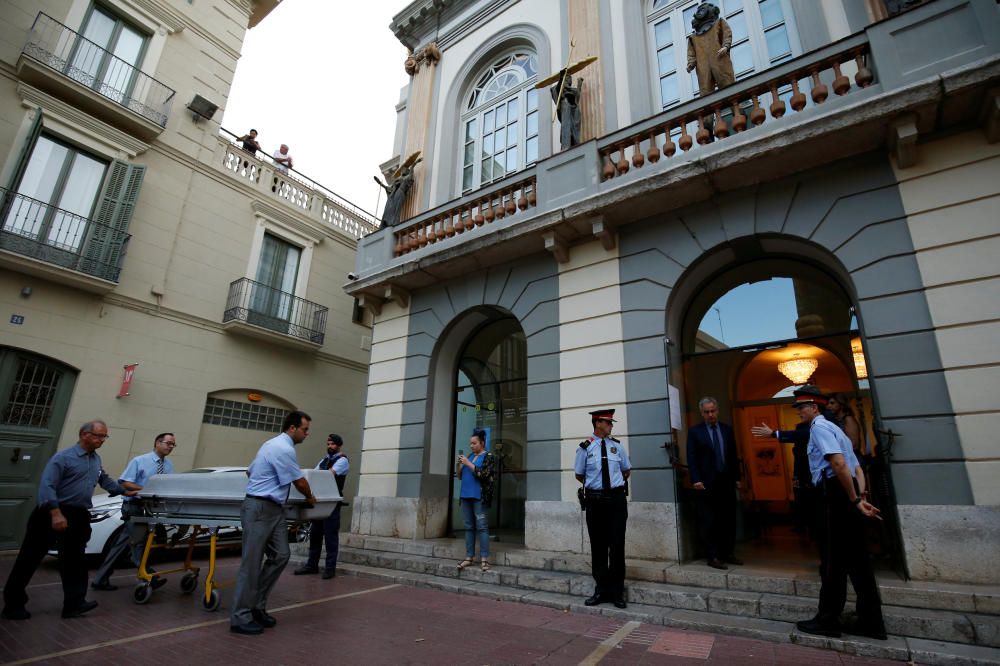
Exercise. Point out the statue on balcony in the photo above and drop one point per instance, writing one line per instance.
(708, 49)
(402, 181)
(566, 98)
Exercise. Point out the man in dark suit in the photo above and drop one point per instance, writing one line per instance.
(714, 468)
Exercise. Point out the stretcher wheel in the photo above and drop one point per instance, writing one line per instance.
(189, 583)
(213, 602)
(142, 593)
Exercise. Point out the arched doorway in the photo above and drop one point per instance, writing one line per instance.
(751, 335)
(34, 395)
(491, 392)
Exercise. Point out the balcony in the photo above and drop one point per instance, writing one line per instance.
(58, 245)
(84, 75)
(264, 312)
(879, 89)
(293, 190)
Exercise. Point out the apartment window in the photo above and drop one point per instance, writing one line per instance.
(277, 272)
(57, 194)
(108, 57)
(500, 121)
(763, 35)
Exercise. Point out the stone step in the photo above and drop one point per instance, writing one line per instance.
(931, 624)
(897, 648)
(803, 582)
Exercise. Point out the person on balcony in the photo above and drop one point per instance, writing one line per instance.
(282, 160)
(249, 142)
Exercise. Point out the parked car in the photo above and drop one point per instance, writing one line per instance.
(106, 522)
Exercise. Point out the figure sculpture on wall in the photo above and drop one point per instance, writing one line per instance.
(566, 98)
(402, 181)
(708, 49)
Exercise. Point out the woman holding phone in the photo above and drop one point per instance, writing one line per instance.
(476, 474)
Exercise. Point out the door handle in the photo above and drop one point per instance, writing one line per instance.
(16, 455)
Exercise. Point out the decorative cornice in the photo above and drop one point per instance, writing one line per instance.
(162, 13)
(414, 20)
(32, 97)
(412, 25)
(313, 232)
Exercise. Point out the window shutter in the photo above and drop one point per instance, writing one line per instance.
(29, 144)
(116, 203)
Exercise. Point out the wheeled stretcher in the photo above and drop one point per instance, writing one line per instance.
(206, 504)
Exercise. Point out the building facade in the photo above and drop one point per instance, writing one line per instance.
(136, 233)
(851, 172)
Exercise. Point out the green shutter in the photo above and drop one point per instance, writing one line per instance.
(115, 206)
(26, 148)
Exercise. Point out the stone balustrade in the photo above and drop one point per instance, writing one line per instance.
(293, 189)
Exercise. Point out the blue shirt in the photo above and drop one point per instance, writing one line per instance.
(826, 438)
(588, 463)
(471, 488)
(69, 478)
(141, 468)
(340, 465)
(274, 469)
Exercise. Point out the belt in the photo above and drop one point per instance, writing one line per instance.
(614, 492)
(264, 499)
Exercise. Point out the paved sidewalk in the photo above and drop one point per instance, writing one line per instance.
(349, 620)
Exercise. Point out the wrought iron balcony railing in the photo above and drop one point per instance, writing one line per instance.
(35, 229)
(275, 310)
(55, 45)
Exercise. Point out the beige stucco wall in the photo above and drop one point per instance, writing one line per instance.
(952, 205)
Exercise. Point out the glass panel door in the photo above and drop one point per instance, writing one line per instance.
(273, 295)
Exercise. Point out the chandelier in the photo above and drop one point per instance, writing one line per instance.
(798, 370)
(860, 369)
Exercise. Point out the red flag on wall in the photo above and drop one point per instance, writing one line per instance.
(127, 379)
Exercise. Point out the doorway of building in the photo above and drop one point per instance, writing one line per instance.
(491, 392)
(34, 396)
(752, 336)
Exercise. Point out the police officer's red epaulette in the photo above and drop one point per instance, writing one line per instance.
(585, 443)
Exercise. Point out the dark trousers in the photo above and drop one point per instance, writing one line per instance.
(327, 530)
(717, 519)
(38, 538)
(842, 554)
(606, 519)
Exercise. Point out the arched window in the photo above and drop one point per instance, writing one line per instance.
(500, 121)
(763, 35)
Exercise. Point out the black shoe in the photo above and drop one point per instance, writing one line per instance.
(620, 602)
(15, 613)
(157, 582)
(716, 563)
(104, 587)
(876, 631)
(262, 618)
(593, 600)
(305, 570)
(819, 627)
(85, 607)
(249, 629)
(329, 573)
(732, 559)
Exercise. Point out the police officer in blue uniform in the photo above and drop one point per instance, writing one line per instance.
(842, 535)
(328, 529)
(602, 465)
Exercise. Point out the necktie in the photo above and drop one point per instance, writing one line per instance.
(720, 456)
(159, 466)
(605, 474)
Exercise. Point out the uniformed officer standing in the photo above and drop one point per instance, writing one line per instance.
(328, 529)
(602, 465)
(842, 535)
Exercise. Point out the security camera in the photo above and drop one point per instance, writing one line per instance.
(352, 276)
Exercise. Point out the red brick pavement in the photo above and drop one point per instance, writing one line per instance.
(377, 624)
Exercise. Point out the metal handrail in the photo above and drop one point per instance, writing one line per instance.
(35, 229)
(279, 311)
(65, 50)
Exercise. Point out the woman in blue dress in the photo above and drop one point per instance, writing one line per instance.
(476, 474)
